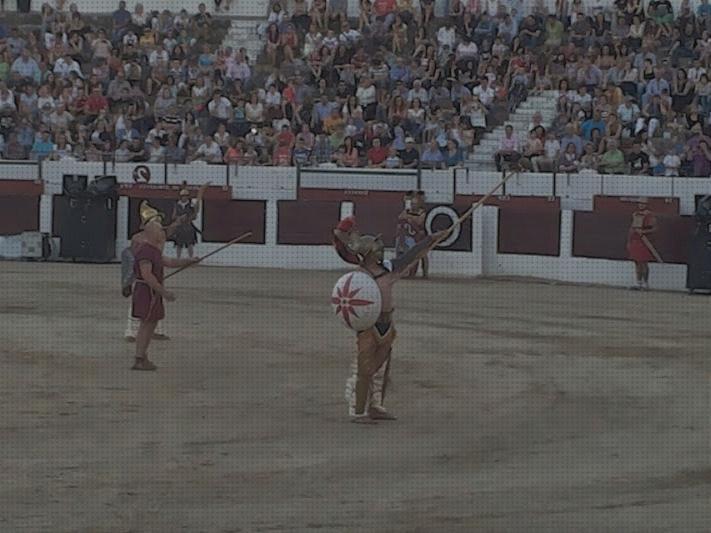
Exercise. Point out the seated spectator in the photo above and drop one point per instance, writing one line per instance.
(42, 147)
(282, 154)
(534, 147)
(25, 69)
(700, 158)
(12, 149)
(453, 154)
(393, 160)
(548, 162)
(7, 100)
(672, 162)
(60, 119)
(351, 156)
(209, 151)
(377, 154)
(612, 160)
(174, 154)
(322, 152)
(156, 152)
(432, 156)
(66, 65)
(410, 156)
(590, 160)
(569, 161)
(593, 123)
(509, 148)
(638, 160)
(301, 154)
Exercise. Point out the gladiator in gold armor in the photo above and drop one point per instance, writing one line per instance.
(365, 388)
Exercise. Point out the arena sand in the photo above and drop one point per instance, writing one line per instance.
(523, 406)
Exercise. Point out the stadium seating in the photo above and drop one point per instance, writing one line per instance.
(618, 88)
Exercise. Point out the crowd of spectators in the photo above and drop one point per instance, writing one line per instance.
(141, 87)
(394, 87)
(632, 86)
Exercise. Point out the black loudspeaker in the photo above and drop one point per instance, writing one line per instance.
(88, 228)
(103, 186)
(74, 184)
(698, 271)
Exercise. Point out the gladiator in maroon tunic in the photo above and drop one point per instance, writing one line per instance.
(642, 220)
(147, 305)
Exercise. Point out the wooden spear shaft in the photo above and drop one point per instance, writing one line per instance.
(233, 241)
(478, 204)
(484, 198)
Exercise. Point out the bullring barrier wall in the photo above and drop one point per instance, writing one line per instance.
(569, 228)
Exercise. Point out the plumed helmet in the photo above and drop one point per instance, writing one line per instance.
(149, 214)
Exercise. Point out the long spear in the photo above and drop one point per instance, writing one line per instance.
(233, 241)
(478, 204)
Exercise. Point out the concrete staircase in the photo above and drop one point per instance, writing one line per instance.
(246, 16)
(243, 34)
(257, 9)
(482, 157)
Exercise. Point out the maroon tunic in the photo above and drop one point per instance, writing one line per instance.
(637, 251)
(147, 305)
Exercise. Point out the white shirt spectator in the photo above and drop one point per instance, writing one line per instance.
(220, 107)
(420, 93)
(366, 95)
(46, 103)
(552, 148)
(485, 94)
(671, 162)
(628, 114)
(585, 100)
(155, 133)
(157, 154)
(209, 152)
(65, 66)
(350, 37)
(223, 139)
(158, 56)
(237, 70)
(7, 101)
(467, 50)
(695, 73)
(130, 39)
(272, 98)
(60, 121)
(447, 36)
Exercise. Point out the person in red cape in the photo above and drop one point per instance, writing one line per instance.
(643, 224)
(148, 290)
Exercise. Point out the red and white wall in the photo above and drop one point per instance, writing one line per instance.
(567, 228)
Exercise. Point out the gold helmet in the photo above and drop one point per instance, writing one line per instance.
(364, 245)
(149, 214)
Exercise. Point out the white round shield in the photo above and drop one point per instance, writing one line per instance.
(356, 300)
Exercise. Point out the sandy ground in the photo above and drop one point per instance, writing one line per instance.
(522, 406)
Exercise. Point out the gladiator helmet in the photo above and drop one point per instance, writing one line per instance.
(149, 214)
(365, 245)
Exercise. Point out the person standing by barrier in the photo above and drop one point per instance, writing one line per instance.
(187, 210)
(639, 248)
(411, 229)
